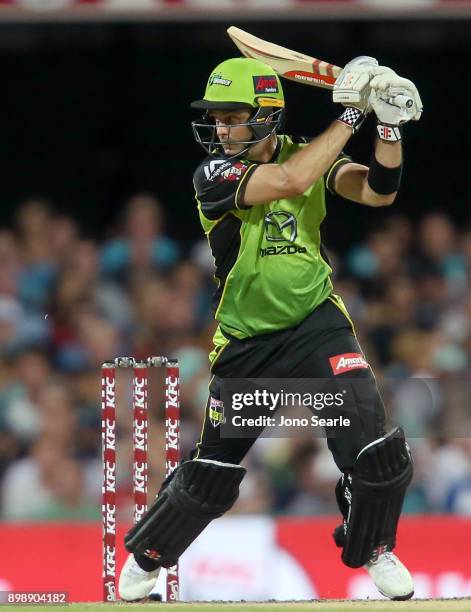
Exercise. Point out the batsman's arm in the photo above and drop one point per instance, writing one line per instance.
(270, 182)
(374, 186)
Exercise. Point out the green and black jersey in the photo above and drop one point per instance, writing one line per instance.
(269, 265)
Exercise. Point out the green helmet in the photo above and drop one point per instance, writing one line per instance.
(241, 83)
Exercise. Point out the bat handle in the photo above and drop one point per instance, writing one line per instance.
(401, 101)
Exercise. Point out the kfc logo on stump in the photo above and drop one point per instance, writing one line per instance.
(265, 84)
(346, 362)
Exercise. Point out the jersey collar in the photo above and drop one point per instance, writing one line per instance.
(276, 152)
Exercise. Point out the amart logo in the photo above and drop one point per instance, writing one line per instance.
(346, 362)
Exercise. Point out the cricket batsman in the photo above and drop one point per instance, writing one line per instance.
(261, 201)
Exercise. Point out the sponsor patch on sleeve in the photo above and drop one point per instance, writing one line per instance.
(235, 172)
(346, 362)
(222, 170)
(265, 84)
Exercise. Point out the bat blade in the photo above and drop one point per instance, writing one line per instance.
(288, 64)
(297, 66)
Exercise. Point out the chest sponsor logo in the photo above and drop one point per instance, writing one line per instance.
(280, 226)
(346, 362)
(265, 84)
(282, 249)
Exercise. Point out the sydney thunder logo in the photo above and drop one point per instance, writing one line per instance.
(216, 412)
(217, 79)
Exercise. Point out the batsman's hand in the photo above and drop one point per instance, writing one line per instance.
(387, 90)
(352, 87)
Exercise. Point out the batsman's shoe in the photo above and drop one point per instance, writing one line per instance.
(391, 577)
(134, 582)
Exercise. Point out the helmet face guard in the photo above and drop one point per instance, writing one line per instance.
(265, 122)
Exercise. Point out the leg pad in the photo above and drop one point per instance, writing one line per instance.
(200, 491)
(374, 494)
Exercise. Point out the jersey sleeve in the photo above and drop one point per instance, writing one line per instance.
(331, 173)
(220, 185)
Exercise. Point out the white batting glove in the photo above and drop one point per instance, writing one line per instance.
(352, 87)
(395, 101)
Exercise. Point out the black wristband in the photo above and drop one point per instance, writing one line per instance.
(383, 180)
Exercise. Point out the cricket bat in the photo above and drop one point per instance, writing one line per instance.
(293, 65)
(288, 64)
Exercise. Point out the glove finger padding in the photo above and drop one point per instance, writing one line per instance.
(352, 86)
(390, 79)
(380, 70)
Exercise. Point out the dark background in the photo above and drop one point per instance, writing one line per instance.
(91, 113)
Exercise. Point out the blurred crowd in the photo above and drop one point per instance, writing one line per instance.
(68, 303)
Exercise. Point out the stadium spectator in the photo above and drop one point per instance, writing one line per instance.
(141, 246)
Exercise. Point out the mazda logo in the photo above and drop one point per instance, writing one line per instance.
(280, 226)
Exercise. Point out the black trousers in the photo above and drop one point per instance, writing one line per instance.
(310, 350)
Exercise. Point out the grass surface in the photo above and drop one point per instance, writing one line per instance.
(416, 605)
